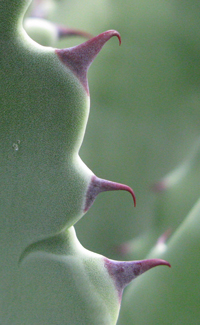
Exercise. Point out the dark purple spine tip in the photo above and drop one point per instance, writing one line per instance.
(115, 33)
(98, 185)
(155, 262)
(123, 273)
(129, 189)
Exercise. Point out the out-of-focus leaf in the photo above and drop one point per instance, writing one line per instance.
(169, 296)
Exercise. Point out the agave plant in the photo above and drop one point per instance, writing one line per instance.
(48, 277)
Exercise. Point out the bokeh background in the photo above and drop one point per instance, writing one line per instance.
(144, 129)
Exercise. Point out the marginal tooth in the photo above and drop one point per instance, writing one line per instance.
(98, 185)
(123, 273)
(79, 58)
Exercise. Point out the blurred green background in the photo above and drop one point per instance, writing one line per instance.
(143, 125)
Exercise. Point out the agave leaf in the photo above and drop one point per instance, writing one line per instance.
(169, 297)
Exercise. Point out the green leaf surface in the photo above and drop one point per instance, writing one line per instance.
(169, 296)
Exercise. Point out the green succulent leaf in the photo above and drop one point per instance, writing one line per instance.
(169, 297)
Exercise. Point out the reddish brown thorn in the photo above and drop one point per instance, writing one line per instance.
(66, 32)
(98, 185)
(123, 273)
(79, 58)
